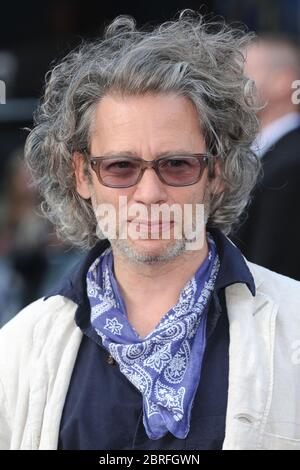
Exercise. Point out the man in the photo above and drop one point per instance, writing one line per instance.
(155, 341)
(270, 233)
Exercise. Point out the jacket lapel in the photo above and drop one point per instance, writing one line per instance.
(252, 333)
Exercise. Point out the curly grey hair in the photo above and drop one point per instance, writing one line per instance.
(200, 60)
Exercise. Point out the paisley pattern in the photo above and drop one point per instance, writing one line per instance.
(164, 366)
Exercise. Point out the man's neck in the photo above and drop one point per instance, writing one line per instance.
(149, 291)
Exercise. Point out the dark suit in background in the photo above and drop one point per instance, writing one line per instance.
(270, 236)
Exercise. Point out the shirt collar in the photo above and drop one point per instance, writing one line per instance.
(233, 269)
(233, 266)
(273, 132)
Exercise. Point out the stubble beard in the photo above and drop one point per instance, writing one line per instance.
(174, 250)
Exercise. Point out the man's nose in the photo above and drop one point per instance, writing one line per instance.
(150, 190)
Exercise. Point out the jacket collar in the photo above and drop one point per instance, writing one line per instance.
(233, 266)
(251, 365)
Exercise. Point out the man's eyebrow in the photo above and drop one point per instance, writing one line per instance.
(130, 153)
(177, 152)
(120, 153)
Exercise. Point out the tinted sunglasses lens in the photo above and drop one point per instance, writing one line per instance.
(180, 170)
(120, 172)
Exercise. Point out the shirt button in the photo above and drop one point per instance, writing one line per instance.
(110, 360)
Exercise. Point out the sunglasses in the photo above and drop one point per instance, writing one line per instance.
(173, 170)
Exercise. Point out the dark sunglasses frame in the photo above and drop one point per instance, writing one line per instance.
(203, 158)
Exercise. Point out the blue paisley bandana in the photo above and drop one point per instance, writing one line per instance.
(165, 366)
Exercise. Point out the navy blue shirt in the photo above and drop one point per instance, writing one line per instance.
(103, 410)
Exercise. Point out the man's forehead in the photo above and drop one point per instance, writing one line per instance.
(154, 124)
(119, 107)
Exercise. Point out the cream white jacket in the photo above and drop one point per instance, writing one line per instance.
(38, 349)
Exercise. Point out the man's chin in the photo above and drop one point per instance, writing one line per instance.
(149, 251)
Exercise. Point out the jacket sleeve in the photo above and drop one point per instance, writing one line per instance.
(16, 347)
(38, 349)
(5, 430)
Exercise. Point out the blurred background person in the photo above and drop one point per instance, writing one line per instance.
(270, 234)
(31, 257)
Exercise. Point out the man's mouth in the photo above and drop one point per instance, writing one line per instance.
(151, 226)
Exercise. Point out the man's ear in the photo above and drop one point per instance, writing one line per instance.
(82, 183)
(216, 183)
